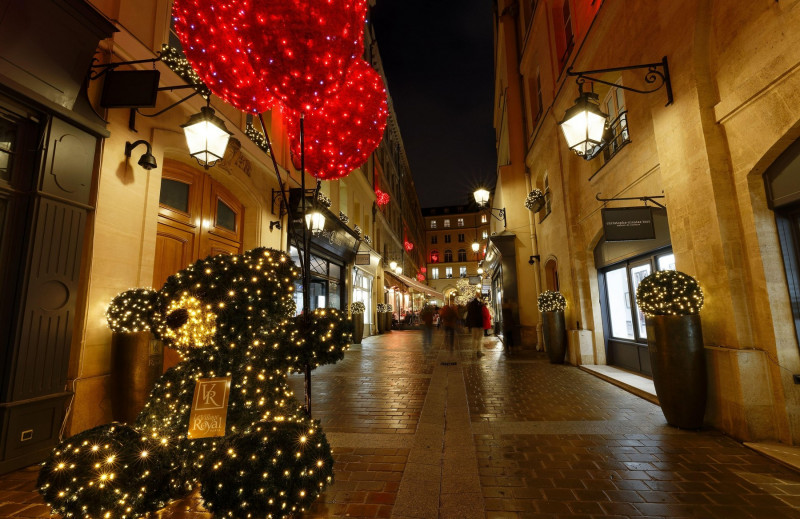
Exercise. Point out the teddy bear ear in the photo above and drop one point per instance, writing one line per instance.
(132, 310)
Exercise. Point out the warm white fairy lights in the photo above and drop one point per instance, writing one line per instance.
(130, 311)
(669, 292)
(534, 199)
(551, 301)
(230, 316)
(357, 307)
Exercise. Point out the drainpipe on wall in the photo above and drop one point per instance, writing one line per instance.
(537, 273)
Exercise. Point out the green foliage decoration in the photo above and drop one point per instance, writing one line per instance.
(130, 311)
(669, 292)
(228, 316)
(551, 301)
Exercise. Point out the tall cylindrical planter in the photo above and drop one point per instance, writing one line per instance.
(555, 336)
(136, 363)
(387, 322)
(381, 322)
(358, 328)
(678, 361)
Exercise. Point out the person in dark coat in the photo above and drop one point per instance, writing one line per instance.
(475, 323)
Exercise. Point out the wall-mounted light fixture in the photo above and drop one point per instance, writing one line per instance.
(147, 160)
(476, 246)
(584, 124)
(206, 136)
(533, 258)
(482, 199)
(315, 221)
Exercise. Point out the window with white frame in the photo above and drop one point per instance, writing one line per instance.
(462, 255)
(485, 234)
(462, 271)
(448, 271)
(460, 222)
(483, 218)
(435, 273)
(433, 224)
(447, 222)
(448, 256)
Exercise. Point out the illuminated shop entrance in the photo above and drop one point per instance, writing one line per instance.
(622, 265)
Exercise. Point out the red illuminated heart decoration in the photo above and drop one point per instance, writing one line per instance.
(302, 49)
(340, 136)
(211, 33)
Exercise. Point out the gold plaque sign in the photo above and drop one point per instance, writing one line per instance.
(209, 407)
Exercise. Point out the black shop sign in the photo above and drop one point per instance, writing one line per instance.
(628, 223)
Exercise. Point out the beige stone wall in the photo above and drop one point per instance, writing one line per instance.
(734, 68)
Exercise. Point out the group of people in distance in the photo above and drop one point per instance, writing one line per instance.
(478, 319)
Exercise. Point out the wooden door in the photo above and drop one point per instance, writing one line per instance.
(197, 217)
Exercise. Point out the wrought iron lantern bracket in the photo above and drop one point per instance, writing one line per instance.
(644, 199)
(657, 75)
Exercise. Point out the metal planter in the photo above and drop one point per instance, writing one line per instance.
(358, 328)
(555, 336)
(678, 360)
(136, 364)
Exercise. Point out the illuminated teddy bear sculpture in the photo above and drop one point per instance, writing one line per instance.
(228, 316)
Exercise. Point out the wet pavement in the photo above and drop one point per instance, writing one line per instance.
(430, 433)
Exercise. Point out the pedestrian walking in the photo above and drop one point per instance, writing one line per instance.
(426, 316)
(449, 317)
(474, 321)
(487, 320)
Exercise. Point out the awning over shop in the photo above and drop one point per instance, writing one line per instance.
(415, 285)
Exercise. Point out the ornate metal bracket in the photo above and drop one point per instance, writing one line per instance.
(644, 199)
(501, 215)
(282, 198)
(657, 75)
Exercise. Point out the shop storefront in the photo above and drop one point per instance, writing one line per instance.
(500, 262)
(333, 252)
(622, 265)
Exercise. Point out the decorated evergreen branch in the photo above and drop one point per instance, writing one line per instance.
(324, 200)
(669, 292)
(131, 311)
(343, 217)
(228, 316)
(551, 301)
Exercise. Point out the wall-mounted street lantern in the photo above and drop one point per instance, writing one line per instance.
(206, 136)
(315, 221)
(585, 124)
(482, 199)
(147, 160)
(476, 246)
(393, 265)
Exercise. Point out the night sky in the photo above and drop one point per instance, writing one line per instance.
(437, 56)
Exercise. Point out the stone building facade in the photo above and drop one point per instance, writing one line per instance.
(723, 155)
(81, 222)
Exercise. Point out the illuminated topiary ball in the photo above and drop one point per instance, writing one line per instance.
(277, 470)
(131, 311)
(551, 301)
(108, 471)
(669, 292)
(357, 307)
(324, 338)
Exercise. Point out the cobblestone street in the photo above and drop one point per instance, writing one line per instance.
(433, 434)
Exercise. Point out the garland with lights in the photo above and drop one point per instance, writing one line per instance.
(324, 200)
(551, 301)
(669, 292)
(367, 240)
(130, 311)
(357, 230)
(535, 200)
(343, 217)
(357, 307)
(228, 316)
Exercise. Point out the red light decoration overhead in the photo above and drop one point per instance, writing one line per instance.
(420, 277)
(252, 52)
(423, 269)
(340, 136)
(212, 36)
(408, 245)
(381, 198)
